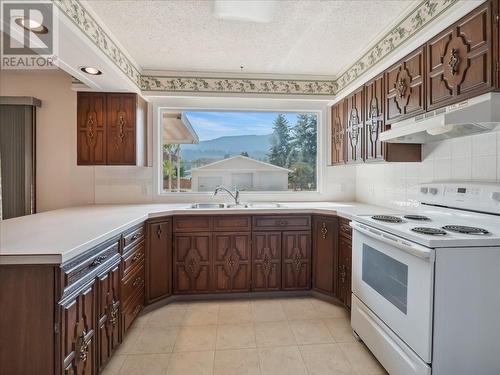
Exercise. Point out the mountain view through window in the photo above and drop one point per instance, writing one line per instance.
(251, 151)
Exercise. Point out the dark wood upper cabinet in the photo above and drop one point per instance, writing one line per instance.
(91, 123)
(338, 134)
(192, 263)
(121, 123)
(404, 88)
(158, 259)
(108, 319)
(459, 60)
(266, 261)
(111, 129)
(354, 108)
(374, 119)
(232, 261)
(374, 149)
(325, 254)
(296, 261)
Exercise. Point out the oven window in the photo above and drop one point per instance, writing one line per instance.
(386, 275)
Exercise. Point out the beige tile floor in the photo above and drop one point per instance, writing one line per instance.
(244, 337)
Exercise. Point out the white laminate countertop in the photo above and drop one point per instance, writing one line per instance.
(54, 237)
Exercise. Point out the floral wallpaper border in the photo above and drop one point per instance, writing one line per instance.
(422, 15)
(236, 85)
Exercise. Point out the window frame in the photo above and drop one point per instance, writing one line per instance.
(319, 108)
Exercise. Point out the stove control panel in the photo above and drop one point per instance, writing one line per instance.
(483, 197)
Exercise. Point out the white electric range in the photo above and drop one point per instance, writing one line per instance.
(426, 284)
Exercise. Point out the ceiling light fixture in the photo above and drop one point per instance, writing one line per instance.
(31, 25)
(90, 70)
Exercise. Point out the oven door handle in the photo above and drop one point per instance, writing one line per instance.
(414, 249)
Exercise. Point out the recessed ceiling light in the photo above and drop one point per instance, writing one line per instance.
(91, 70)
(31, 25)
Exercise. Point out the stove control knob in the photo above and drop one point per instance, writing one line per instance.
(433, 191)
(495, 196)
(424, 190)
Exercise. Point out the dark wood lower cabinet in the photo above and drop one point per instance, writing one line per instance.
(344, 271)
(70, 318)
(325, 254)
(266, 261)
(192, 263)
(109, 309)
(232, 262)
(78, 336)
(296, 262)
(158, 260)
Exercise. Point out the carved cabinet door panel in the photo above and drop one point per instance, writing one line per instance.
(232, 265)
(78, 337)
(325, 254)
(374, 119)
(459, 60)
(159, 260)
(121, 120)
(266, 261)
(404, 88)
(109, 307)
(354, 126)
(344, 274)
(192, 262)
(338, 134)
(296, 265)
(91, 125)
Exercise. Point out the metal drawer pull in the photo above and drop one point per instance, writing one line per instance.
(113, 313)
(159, 232)
(324, 231)
(135, 257)
(98, 261)
(281, 222)
(134, 237)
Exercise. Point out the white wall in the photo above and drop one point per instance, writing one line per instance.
(60, 183)
(471, 158)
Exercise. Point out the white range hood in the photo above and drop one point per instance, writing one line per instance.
(477, 115)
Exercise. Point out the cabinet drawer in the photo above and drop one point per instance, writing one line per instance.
(344, 228)
(132, 258)
(133, 283)
(89, 262)
(282, 222)
(132, 237)
(232, 223)
(192, 223)
(131, 310)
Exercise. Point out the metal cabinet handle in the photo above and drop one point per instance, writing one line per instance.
(82, 346)
(135, 236)
(159, 231)
(113, 312)
(98, 261)
(281, 222)
(324, 230)
(136, 257)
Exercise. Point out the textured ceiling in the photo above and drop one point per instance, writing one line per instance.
(306, 37)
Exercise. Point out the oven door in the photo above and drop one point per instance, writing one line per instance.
(394, 279)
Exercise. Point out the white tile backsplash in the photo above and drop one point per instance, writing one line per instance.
(475, 158)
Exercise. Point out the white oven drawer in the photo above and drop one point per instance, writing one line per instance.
(392, 352)
(396, 283)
